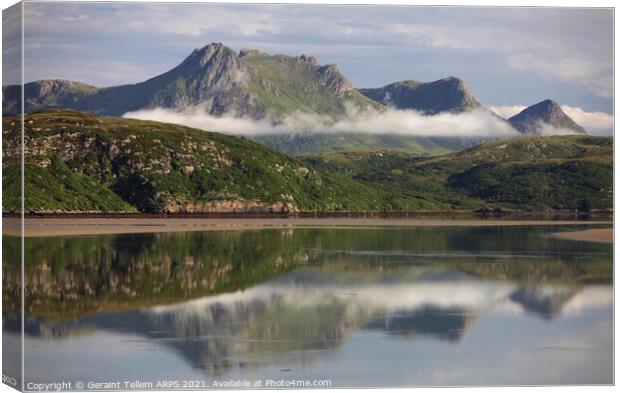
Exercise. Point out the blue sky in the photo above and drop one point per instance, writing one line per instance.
(509, 56)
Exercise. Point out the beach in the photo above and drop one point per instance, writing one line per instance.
(39, 227)
(602, 235)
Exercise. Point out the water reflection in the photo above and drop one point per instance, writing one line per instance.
(242, 303)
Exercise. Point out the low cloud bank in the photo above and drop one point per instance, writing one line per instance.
(591, 121)
(594, 121)
(549, 130)
(477, 123)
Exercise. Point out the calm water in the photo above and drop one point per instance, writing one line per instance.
(358, 307)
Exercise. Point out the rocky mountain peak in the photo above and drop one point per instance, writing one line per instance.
(547, 109)
(458, 91)
(211, 66)
(212, 76)
(207, 54)
(533, 119)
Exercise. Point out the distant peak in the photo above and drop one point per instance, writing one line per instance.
(530, 120)
(450, 94)
(544, 106)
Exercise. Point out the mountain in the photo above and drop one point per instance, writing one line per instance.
(255, 85)
(80, 162)
(46, 93)
(524, 173)
(445, 95)
(547, 114)
(249, 84)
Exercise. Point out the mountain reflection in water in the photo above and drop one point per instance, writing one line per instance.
(230, 302)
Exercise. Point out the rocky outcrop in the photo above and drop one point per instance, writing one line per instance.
(330, 77)
(173, 205)
(545, 117)
(213, 77)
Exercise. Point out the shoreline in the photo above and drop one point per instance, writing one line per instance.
(57, 226)
(310, 214)
(598, 235)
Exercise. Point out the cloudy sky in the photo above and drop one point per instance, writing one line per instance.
(510, 57)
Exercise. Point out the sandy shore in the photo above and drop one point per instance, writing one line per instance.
(602, 235)
(37, 227)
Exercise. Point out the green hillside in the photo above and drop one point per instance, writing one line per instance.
(57, 188)
(77, 162)
(80, 162)
(538, 173)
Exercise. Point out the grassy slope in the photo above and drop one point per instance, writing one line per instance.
(292, 87)
(569, 172)
(150, 165)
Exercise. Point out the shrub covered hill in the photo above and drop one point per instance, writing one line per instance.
(78, 162)
(524, 173)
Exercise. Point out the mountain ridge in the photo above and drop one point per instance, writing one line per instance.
(255, 85)
(449, 94)
(249, 84)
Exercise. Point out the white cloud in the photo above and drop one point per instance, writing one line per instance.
(371, 42)
(402, 122)
(530, 40)
(591, 121)
(193, 20)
